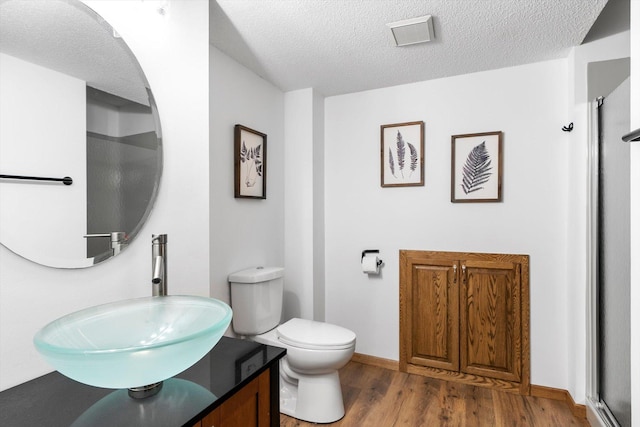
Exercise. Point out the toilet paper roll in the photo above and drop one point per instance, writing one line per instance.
(370, 264)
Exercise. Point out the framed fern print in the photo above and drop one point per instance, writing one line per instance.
(402, 154)
(476, 167)
(250, 163)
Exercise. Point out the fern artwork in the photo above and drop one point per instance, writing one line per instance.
(251, 160)
(250, 163)
(476, 171)
(476, 167)
(401, 157)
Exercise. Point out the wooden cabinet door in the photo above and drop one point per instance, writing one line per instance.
(429, 312)
(490, 319)
(465, 317)
(249, 407)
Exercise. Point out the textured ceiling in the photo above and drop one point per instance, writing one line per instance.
(335, 46)
(344, 46)
(69, 38)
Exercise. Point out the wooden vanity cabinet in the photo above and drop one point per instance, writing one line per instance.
(465, 317)
(249, 407)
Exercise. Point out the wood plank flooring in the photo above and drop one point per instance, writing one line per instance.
(378, 397)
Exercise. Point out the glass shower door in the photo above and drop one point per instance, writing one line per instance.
(613, 259)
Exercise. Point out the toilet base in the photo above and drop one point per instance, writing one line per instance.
(311, 398)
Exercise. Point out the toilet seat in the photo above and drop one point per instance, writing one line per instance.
(312, 335)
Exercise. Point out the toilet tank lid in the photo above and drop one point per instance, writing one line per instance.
(256, 275)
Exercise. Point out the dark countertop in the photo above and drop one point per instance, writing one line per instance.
(55, 400)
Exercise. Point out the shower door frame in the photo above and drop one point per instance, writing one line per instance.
(598, 414)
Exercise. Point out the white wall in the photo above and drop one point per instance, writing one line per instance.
(299, 202)
(174, 55)
(244, 232)
(298, 299)
(529, 104)
(304, 205)
(55, 147)
(319, 283)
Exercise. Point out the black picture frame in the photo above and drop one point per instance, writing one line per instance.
(250, 163)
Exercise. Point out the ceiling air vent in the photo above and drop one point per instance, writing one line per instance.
(412, 31)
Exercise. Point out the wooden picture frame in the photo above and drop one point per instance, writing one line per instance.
(476, 167)
(250, 163)
(402, 154)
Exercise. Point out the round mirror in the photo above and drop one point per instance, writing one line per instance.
(80, 139)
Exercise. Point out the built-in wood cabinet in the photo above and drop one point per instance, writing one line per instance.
(249, 407)
(465, 317)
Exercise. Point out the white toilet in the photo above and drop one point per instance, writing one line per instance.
(309, 381)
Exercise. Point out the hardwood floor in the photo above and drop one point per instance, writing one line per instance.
(378, 397)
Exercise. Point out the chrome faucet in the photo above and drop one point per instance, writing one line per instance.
(159, 264)
(118, 240)
(158, 288)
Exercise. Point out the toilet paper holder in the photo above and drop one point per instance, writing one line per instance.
(371, 251)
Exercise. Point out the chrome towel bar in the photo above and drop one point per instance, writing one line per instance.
(632, 136)
(66, 180)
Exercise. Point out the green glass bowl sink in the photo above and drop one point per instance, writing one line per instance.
(135, 342)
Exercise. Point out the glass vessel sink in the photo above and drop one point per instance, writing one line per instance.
(134, 342)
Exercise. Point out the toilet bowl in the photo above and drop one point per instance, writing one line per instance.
(309, 381)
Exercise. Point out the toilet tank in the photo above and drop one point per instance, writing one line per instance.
(256, 299)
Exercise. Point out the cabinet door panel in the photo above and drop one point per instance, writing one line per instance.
(430, 327)
(490, 320)
(249, 407)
